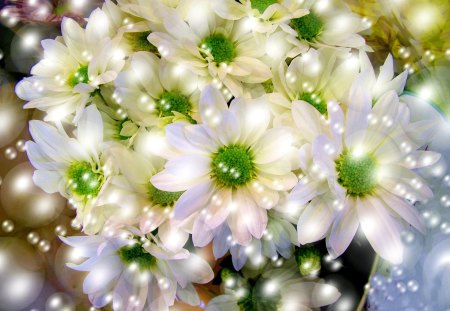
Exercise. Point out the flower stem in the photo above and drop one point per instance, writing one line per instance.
(362, 302)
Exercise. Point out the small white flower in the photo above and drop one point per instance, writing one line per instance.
(232, 167)
(76, 167)
(155, 92)
(328, 24)
(220, 50)
(132, 272)
(73, 67)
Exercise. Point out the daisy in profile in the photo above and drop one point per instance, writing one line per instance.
(223, 51)
(155, 92)
(358, 172)
(134, 272)
(78, 168)
(233, 167)
(274, 288)
(74, 66)
(260, 15)
(330, 23)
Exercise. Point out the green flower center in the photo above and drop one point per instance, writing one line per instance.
(316, 101)
(262, 5)
(357, 173)
(308, 259)
(162, 198)
(83, 180)
(233, 166)
(79, 76)
(308, 27)
(173, 101)
(139, 42)
(268, 86)
(221, 48)
(136, 254)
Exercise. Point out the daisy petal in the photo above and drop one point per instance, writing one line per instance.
(374, 219)
(314, 222)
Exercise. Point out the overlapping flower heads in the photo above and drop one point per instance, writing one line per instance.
(251, 126)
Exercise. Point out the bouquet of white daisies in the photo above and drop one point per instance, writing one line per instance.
(250, 126)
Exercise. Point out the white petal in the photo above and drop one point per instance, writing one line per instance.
(173, 183)
(259, 71)
(228, 9)
(172, 237)
(360, 106)
(229, 130)
(305, 192)
(90, 128)
(190, 166)
(314, 221)
(304, 295)
(343, 230)
(47, 180)
(254, 118)
(212, 103)
(421, 158)
(273, 145)
(407, 211)
(192, 200)
(307, 119)
(104, 272)
(194, 269)
(382, 231)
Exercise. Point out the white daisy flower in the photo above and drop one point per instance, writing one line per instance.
(358, 173)
(78, 168)
(154, 206)
(277, 240)
(154, 92)
(74, 66)
(220, 50)
(328, 24)
(133, 272)
(260, 15)
(278, 289)
(315, 77)
(233, 167)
